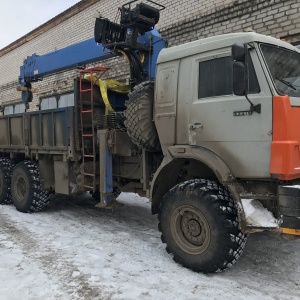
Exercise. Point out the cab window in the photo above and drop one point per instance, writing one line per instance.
(215, 78)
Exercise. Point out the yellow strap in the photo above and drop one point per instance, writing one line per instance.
(124, 54)
(108, 84)
(103, 90)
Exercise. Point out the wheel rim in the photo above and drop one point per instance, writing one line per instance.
(20, 188)
(190, 229)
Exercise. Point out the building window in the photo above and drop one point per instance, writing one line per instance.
(48, 103)
(57, 101)
(215, 78)
(66, 100)
(19, 108)
(8, 110)
(14, 109)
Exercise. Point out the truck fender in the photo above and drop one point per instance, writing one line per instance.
(211, 166)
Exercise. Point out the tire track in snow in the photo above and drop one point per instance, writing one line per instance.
(54, 264)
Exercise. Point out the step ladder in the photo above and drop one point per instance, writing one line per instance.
(87, 128)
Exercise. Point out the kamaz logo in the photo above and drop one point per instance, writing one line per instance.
(242, 113)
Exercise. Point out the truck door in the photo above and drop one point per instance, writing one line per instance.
(243, 142)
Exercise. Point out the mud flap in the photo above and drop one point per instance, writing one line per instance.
(289, 209)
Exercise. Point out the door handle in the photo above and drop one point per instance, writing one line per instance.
(196, 126)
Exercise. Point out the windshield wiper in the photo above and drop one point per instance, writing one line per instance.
(289, 84)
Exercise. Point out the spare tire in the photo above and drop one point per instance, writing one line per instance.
(139, 117)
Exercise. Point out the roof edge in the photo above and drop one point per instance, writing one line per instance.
(218, 42)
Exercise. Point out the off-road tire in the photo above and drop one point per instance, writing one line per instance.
(26, 190)
(199, 224)
(6, 167)
(139, 117)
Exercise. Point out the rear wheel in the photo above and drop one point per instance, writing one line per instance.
(199, 224)
(5, 179)
(27, 194)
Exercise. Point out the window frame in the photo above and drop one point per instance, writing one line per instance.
(220, 56)
(13, 105)
(57, 98)
(64, 94)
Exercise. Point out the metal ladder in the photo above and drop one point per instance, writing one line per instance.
(88, 134)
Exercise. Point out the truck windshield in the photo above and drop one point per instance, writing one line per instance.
(284, 67)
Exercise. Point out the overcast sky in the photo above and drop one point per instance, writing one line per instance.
(18, 17)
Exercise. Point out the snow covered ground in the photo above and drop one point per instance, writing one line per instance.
(74, 251)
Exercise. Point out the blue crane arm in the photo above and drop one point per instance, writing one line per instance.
(135, 37)
(35, 67)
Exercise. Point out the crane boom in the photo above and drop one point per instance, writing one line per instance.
(135, 38)
(35, 67)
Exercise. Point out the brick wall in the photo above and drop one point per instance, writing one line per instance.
(271, 17)
(181, 21)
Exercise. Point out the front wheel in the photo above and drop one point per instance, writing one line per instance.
(199, 224)
(26, 190)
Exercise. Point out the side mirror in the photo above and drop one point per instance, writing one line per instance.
(239, 52)
(240, 69)
(240, 78)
